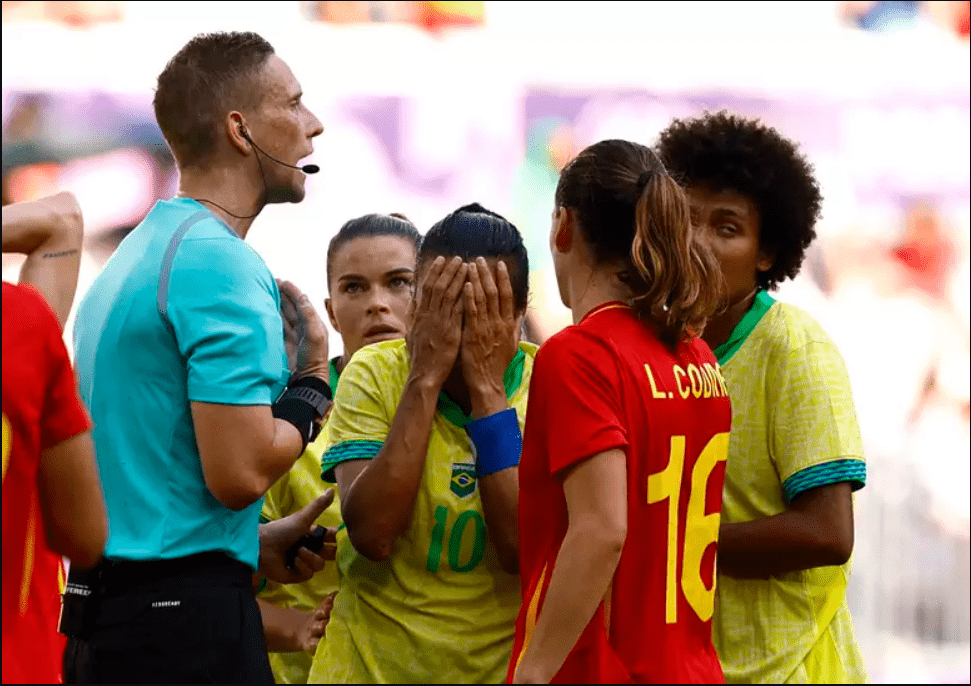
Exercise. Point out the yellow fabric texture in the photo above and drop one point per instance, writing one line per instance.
(295, 490)
(439, 609)
(792, 411)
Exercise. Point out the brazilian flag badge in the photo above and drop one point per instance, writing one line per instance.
(463, 480)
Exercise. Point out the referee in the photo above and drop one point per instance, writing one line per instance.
(181, 358)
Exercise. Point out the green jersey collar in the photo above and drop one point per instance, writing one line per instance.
(760, 305)
(512, 378)
(334, 376)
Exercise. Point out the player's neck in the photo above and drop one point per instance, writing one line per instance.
(719, 328)
(456, 389)
(600, 286)
(227, 194)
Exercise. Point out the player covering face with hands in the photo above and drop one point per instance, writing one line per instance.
(426, 436)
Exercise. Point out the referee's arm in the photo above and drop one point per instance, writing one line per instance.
(225, 313)
(244, 450)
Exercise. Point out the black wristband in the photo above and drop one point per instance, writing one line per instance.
(315, 384)
(303, 404)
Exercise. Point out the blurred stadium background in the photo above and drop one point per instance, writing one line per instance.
(429, 105)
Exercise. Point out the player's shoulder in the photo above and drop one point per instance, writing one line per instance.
(787, 328)
(572, 342)
(386, 364)
(384, 354)
(19, 295)
(28, 311)
(699, 350)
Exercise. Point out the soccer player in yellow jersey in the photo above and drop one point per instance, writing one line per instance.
(795, 453)
(425, 442)
(370, 274)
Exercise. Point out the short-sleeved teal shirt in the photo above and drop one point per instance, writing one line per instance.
(184, 311)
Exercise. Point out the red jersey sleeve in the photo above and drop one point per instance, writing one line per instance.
(579, 385)
(63, 416)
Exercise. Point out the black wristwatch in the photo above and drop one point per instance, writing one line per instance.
(317, 399)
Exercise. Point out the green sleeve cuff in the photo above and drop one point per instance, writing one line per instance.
(837, 471)
(345, 452)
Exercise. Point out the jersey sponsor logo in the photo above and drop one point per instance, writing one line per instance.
(463, 480)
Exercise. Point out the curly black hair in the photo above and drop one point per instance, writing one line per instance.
(727, 152)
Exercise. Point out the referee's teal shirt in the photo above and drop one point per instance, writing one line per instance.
(184, 311)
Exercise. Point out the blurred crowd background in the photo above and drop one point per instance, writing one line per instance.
(430, 105)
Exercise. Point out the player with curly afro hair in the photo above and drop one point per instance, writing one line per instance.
(795, 454)
(725, 152)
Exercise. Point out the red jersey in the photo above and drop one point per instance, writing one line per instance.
(609, 383)
(40, 410)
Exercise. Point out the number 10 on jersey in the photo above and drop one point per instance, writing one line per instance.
(700, 530)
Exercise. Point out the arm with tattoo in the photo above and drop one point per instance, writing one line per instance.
(49, 232)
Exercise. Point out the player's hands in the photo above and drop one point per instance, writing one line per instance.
(277, 537)
(304, 333)
(436, 331)
(315, 626)
(489, 339)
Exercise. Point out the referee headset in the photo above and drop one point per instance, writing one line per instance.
(306, 169)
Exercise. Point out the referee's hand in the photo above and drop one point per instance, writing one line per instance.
(277, 537)
(304, 333)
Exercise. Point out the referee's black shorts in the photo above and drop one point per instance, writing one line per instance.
(189, 620)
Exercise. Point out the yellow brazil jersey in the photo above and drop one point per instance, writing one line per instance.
(439, 609)
(295, 490)
(793, 428)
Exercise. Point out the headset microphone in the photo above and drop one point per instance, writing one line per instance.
(306, 169)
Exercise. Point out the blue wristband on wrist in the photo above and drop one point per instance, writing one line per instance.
(497, 442)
